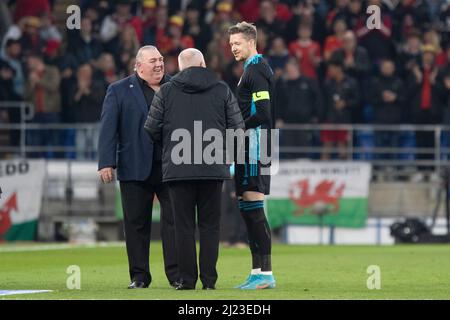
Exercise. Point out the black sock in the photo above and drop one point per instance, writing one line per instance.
(266, 263)
(256, 257)
(258, 227)
(256, 261)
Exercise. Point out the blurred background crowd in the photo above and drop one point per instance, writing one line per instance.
(330, 67)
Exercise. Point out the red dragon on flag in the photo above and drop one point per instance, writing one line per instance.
(325, 194)
(5, 217)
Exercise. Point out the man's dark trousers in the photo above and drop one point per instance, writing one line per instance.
(137, 203)
(186, 196)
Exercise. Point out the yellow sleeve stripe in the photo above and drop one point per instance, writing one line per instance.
(261, 95)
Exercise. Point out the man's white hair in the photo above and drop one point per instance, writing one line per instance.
(141, 52)
(191, 57)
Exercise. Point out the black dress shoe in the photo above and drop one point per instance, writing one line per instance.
(183, 286)
(138, 285)
(175, 284)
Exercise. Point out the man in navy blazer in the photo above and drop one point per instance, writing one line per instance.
(124, 145)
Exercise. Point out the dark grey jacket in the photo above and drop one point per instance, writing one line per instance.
(193, 95)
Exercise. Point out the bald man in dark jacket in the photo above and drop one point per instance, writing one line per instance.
(193, 97)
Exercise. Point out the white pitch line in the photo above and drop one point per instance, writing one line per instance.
(60, 246)
(12, 292)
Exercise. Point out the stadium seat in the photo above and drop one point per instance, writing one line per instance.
(56, 179)
(364, 139)
(79, 178)
(407, 140)
(85, 182)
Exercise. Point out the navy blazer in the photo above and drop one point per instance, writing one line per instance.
(123, 143)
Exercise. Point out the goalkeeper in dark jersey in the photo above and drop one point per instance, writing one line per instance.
(255, 97)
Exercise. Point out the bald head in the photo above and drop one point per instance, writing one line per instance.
(191, 58)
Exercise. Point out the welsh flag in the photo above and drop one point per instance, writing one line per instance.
(21, 182)
(314, 193)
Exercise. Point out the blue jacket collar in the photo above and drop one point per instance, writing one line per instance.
(252, 60)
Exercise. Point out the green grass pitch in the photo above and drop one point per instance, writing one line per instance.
(302, 272)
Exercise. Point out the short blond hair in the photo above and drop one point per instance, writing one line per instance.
(247, 29)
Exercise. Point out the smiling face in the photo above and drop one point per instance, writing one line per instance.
(241, 47)
(150, 66)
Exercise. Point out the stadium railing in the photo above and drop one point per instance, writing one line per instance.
(25, 112)
(363, 144)
(79, 141)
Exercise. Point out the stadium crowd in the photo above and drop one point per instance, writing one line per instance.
(330, 67)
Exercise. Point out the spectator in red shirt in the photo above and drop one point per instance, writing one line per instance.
(283, 11)
(424, 100)
(335, 41)
(422, 85)
(306, 51)
(432, 37)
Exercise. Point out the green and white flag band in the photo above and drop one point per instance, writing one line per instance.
(314, 193)
(21, 182)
